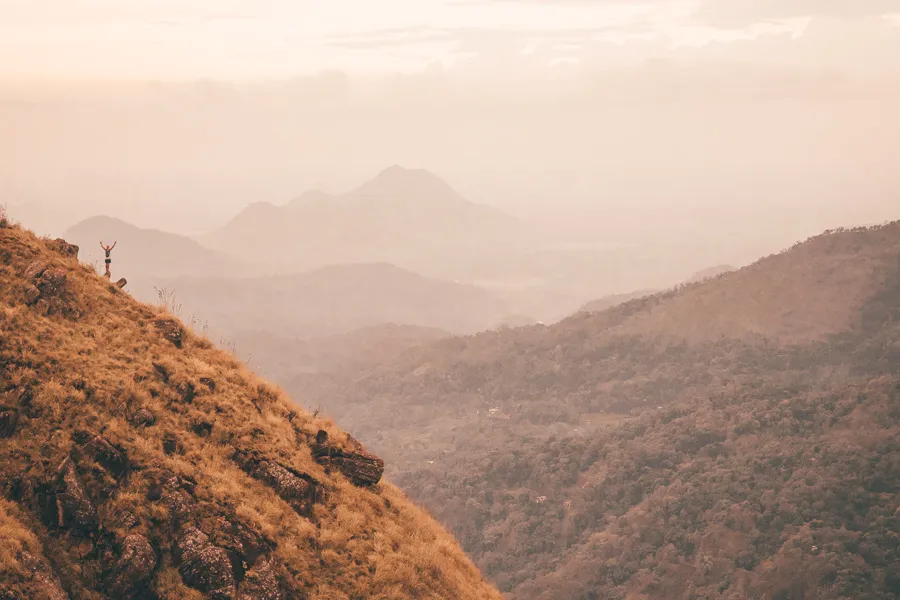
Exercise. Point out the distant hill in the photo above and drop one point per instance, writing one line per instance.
(406, 217)
(732, 438)
(140, 462)
(146, 253)
(710, 273)
(335, 300)
(612, 300)
(279, 356)
(606, 302)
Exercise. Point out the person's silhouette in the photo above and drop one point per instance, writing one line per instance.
(108, 249)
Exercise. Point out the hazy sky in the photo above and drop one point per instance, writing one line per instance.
(251, 39)
(714, 115)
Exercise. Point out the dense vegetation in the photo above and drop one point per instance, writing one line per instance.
(140, 462)
(728, 439)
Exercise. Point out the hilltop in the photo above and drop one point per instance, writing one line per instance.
(142, 254)
(735, 437)
(335, 300)
(407, 217)
(141, 462)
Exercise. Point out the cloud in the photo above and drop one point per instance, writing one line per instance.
(740, 13)
(736, 13)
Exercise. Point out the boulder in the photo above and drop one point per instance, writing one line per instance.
(260, 583)
(121, 283)
(142, 418)
(9, 418)
(32, 295)
(203, 566)
(73, 508)
(47, 582)
(51, 282)
(36, 269)
(173, 493)
(111, 458)
(133, 569)
(360, 467)
(63, 247)
(171, 330)
(297, 489)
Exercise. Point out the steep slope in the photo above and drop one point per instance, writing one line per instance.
(727, 439)
(335, 300)
(144, 253)
(141, 462)
(403, 216)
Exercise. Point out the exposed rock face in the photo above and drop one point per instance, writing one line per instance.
(111, 458)
(49, 290)
(203, 566)
(9, 418)
(47, 581)
(63, 247)
(297, 489)
(173, 493)
(68, 506)
(360, 467)
(135, 565)
(36, 269)
(143, 418)
(260, 583)
(171, 330)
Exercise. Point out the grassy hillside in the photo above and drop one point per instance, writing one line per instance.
(141, 462)
(731, 438)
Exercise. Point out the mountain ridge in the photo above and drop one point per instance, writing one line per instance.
(625, 453)
(141, 462)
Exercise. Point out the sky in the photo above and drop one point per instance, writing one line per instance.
(260, 39)
(601, 117)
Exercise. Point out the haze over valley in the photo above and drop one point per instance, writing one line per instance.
(450, 300)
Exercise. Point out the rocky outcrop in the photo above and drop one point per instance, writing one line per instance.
(297, 489)
(45, 581)
(9, 418)
(203, 566)
(142, 418)
(246, 547)
(48, 290)
(260, 583)
(63, 247)
(108, 456)
(173, 493)
(65, 504)
(360, 467)
(170, 330)
(121, 283)
(134, 567)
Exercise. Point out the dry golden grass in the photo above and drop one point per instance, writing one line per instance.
(94, 372)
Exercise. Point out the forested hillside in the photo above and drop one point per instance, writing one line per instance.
(732, 438)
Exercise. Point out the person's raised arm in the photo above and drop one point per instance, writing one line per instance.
(114, 245)
(102, 246)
